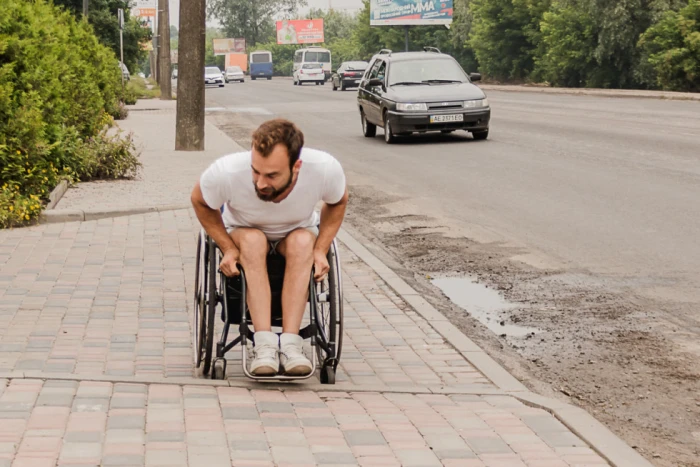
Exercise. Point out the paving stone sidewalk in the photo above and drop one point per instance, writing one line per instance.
(68, 423)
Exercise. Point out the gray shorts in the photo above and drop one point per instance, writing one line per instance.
(274, 243)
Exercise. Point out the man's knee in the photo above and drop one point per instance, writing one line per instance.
(299, 243)
(252, 244)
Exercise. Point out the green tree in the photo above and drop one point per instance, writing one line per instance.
(505, 36)
(102, 16)
(671, 48)
(594, 43)
(566, 54)
(251, 19)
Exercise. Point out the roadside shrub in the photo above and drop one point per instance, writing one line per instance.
(137, 88)
(671, 49)
(59, 87)
(109, 158)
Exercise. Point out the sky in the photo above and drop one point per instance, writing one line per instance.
(337, 4)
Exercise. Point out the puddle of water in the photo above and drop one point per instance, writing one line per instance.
(482, 303)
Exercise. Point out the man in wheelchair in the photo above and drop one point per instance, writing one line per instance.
(269, 195)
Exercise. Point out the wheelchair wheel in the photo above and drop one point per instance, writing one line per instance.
(200, 303)
(212, 300)
(329, 318)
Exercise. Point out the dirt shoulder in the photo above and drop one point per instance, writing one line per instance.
(600, 349)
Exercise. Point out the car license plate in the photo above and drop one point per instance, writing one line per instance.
(446, 118)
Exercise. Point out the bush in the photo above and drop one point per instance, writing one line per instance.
(671, 49)
(110, 158)
(138, 88)
(59, 87)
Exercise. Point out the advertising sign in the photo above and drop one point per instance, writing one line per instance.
(144, 8)
(228, 46)
(300, 31)
(410, 12)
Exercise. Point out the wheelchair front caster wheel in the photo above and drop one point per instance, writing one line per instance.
(327, 375)
(218, 369)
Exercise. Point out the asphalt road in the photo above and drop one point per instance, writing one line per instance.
(607, 185)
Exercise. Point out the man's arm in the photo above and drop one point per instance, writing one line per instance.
(332, 216)
(212, 222)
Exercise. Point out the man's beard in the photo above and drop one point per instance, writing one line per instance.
(271, 194)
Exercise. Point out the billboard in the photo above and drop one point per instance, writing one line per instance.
(144, 8)
(410, 12)
(300, 31)
(228, 46)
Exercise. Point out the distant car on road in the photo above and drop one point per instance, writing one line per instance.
(234, 73)
(411, 92)
(310, 73)
(142, 75)
(348, 75)
(212, 75)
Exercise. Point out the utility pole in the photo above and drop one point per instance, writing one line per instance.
(120, 14)
(156, 44)
(189, 130)
(165, 83)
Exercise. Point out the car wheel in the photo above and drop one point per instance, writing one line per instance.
(389, 137)
(480, 135)
(342, 86)
(368, 129)
(323, 83)
(269, 78)
(335, 88)
(221, 85)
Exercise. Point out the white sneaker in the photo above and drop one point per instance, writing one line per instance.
(293, 360)
(266, 350)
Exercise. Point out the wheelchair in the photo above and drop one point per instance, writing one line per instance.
(215, 294)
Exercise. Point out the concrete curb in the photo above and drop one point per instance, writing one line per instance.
(76, 215)
(619, 93)
(580, 422)
(56, 194)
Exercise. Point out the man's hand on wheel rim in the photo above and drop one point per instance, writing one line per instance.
(229, 264)
(321, 266)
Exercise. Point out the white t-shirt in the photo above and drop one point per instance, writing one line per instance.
(229, 181)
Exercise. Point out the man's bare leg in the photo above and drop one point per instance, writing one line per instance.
(253, 247)
(297, 249)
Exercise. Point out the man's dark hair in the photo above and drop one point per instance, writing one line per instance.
(279, 131)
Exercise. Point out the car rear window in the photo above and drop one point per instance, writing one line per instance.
(234, 68)
(212, 70)
(425, 70)
(357, 66)
(311, 66)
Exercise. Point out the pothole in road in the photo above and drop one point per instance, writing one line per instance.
(484, 304)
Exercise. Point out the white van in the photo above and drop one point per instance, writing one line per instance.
(313, 54)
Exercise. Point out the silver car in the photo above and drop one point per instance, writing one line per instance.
(212, 75)
(234, 73)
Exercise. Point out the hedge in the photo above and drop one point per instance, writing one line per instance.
(59, 89)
